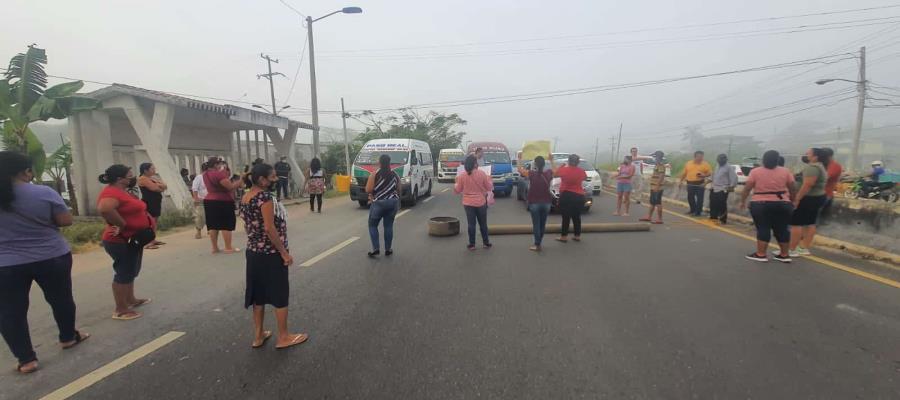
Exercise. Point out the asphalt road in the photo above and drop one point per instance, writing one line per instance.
(672, 313)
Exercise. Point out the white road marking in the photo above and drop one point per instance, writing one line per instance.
(402, 213)
(100, 373)
(329, 252)
(445, 190)
(428, 199)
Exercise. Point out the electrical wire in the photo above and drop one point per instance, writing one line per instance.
(643, 30)
(621, 44)
(293, 9)
(297, 72)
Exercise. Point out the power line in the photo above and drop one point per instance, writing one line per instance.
(297, 72)
(631, 43)
(643, 30)
(601, 88)
(303, 16)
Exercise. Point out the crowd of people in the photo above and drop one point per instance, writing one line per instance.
(32, 248)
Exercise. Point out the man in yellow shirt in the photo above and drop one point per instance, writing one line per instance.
(695, 173)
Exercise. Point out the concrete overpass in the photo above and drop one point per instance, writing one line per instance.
(136, 125)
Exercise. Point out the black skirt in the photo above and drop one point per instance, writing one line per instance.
(219, 215)
(267, 280)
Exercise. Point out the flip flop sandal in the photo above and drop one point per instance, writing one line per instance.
(151, 247)
(265, 338)
(561, 240)
(127, 316)
(160, 243)
(78, 339)
(141, 302)
(577, 239)
(232, 251)
(23, 371)
(297, 340)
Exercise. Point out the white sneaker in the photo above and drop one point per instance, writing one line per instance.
(803, 252)
(793, 254)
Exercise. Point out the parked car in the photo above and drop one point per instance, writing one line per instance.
(742, 178)
(650, 165)
(588, 195)
(593, 177)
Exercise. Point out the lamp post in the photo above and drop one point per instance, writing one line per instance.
(312, 71)
(860, 107)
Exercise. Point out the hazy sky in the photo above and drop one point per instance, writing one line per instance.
(211, 48)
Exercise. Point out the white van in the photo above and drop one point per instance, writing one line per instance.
(449, 161)
(410, 159)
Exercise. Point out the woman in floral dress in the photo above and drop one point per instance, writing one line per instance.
(268, 257)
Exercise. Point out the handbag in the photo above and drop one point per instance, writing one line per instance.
(489, 197)
(142, 237)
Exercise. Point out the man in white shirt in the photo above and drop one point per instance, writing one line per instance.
(198, 192)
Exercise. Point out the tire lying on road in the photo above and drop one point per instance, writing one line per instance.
(443, 226)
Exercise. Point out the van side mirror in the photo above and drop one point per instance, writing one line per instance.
(515, 163)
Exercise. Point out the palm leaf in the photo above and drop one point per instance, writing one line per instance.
(27, 77)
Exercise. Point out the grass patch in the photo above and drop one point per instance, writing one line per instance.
(85, 233)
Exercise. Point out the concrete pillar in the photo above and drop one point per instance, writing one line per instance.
(92, 153)
(155, 132)
(284, 147)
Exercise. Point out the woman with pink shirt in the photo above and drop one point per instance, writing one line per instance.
(771, 206)
(474, 186)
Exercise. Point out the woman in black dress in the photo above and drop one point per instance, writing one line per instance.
(152, 188)
(268, 257)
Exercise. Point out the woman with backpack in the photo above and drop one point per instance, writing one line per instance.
(476, 188)
(539, 198)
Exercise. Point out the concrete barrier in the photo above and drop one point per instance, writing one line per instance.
(585, 228)
(867, 228)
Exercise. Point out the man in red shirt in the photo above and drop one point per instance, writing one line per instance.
(834, 171)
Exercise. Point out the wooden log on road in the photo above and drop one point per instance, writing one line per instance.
(555, 228)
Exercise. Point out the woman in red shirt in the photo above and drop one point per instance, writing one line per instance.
(571, 197)
(125, 216)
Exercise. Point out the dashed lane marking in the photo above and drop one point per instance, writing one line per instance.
(428, 199)
(445, 190)
(402, 213)
(101, 373)
(326, 253)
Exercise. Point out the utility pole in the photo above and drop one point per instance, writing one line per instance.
(270, 76)
(596, 150)
(612, 149)
(312, 85)
(861, 88)
(619, 142)
(344, 116)
(730, 142)
(555, 143)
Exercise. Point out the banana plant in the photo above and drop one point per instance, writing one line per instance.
(25, 98)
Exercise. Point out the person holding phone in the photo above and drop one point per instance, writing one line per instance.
(695, 173)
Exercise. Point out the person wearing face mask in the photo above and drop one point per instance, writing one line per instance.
(219, 204)
(125, 217)
(268, 257)
(32, 250)
(808, 202)
(724, 181)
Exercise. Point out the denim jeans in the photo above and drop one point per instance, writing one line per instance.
(695, 198)
(539, 213)
(54, 276)
(478, 214)
(383, 210)
(282, 187)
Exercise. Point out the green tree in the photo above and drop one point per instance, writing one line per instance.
(25, 98)
(437, 129)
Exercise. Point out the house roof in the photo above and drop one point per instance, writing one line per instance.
(230, 111)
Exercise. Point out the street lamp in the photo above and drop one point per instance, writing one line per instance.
(312, 71)
(860, 106)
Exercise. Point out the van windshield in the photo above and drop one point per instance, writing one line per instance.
(452, 157)
(496, 158)
(368, 157)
